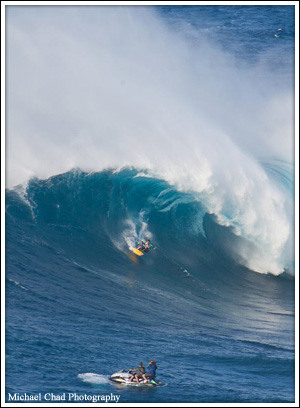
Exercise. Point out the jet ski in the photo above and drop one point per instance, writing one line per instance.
(122, 377)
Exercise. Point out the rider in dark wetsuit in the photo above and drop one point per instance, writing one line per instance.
(146, 246)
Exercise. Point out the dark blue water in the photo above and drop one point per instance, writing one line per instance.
(78, 302)
(247, 32)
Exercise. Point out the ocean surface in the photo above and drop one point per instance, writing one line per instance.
(211, 184)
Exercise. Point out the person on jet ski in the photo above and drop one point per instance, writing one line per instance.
(146, 246)
(140, 373)
(151, 370)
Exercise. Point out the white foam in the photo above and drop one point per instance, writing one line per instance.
(93, 378)
(18, 284)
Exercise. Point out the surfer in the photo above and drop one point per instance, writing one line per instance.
(140, 373)
(146, 246)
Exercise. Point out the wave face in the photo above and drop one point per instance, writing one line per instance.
(69, 267)
(119, 206)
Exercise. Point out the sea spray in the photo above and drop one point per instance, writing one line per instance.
(123, 89)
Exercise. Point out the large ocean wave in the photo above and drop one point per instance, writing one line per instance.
(113, 210)
(124, 90)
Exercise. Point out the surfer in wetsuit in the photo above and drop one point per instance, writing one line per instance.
(140, 373)
(146, 246)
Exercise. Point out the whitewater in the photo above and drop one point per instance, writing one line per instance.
(170, 123)
(182, 110)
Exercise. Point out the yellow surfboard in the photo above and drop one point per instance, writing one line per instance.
(137, 251)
